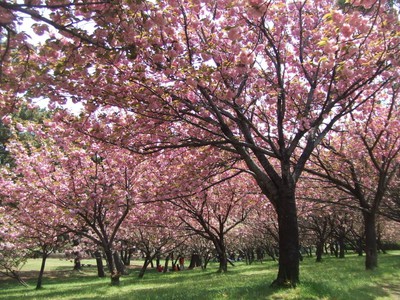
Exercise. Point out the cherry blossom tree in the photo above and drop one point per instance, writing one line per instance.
(38, 227)
(154, 241)
(93, 187)
(31, 228)
(209, 197)
(363, 159)
(258, 233)
(319, 223)
(16, 40)
(263, 80)
(202, 251)
(214, 212)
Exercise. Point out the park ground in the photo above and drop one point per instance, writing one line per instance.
(334, 279)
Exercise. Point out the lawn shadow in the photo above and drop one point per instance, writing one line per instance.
(363, 292)
(246, 282)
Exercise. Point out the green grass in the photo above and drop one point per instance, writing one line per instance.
(332, 279)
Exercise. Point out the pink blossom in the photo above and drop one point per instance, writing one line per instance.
(6, 120)
(337, 17)
(6, 17)
(192, 97)
(346, 30)
(158, 58)
(20, 127)
(234, 33)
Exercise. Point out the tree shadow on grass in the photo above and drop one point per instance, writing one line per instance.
(364, 292)
(246, 282)
(185, 285)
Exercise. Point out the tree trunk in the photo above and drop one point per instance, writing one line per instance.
(334, 249)
(125, 256)
(166, 263)
(260, 254)
(249, 256)
(341, 247)
(223, 263)
(319, 251)
(271, 253)
(158, 261)
(119, 264)
(205, 259)
(115, 275)
(289, 256)
(41, 272)
(221, 252)
(144, 267)
(195, 261)
(371, 249)
(77, 263)
(99, 264)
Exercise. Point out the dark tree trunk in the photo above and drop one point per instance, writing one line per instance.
(157, 261)
(319, 251)
(126, 256)
(77, 263)
(195, 261)
(144, 267)
(99, 264)
(249, 256)
(371, 249)
(341, 247)
(223, 263)
(260, 254)
(41, 272)
(271, 253)
(289, 256)
(115, 275)
(205, 259)
(219, 244)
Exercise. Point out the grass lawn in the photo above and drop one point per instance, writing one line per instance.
(332, 279)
